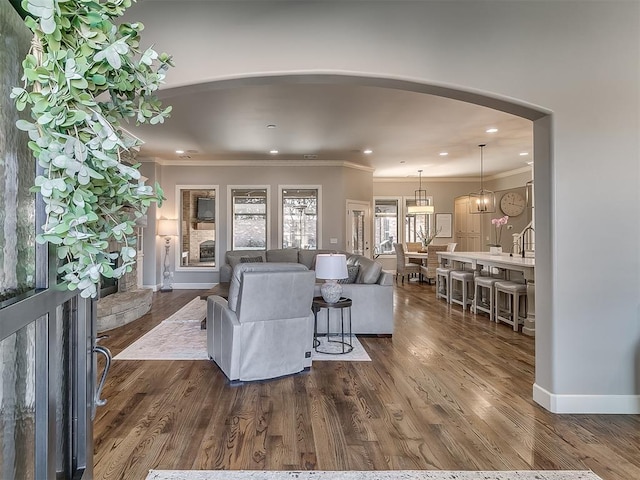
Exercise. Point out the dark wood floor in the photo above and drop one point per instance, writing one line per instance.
(449, 391)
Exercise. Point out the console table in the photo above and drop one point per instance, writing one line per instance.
(221, 289)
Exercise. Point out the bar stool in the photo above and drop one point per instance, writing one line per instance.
(484, 288)
(443, 283)
(515, 292)
(465, 277)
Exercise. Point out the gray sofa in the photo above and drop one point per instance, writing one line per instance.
(371, 293)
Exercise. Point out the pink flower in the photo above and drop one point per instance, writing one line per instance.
(498, 223)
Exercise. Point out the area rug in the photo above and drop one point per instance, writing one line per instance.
(370, 475)
(179, 337)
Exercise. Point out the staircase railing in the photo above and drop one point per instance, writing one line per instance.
(524, 243)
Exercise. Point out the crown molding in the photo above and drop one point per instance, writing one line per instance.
(413, 179)
(510, 173)
(322, 163)
(424, 179)
(255, 163)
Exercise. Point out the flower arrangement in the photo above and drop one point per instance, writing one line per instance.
(498, 223)
(427, 238)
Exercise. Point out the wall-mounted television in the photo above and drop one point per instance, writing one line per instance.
(206, 209)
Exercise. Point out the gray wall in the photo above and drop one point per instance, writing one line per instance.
(337, 185)
(516, 55)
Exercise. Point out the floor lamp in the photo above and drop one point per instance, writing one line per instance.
(167, 228)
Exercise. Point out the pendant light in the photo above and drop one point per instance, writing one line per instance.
(482, 201)
(421, 202)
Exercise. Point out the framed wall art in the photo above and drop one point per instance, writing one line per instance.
(443, 225)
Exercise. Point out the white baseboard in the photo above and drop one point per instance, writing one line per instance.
(616, 404)
(155, 288)
(193, 286)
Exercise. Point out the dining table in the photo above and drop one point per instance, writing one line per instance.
(421, 256)
(506, 262)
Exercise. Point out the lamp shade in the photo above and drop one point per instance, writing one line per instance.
(167, 227)
(421, 209)
(331, 266)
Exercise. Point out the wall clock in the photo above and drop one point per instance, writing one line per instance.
(512, 204)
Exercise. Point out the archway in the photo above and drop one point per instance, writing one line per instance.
(542, 172)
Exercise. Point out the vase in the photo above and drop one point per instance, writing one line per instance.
(495, 250)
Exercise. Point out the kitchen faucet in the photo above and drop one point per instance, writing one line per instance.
(524, 245)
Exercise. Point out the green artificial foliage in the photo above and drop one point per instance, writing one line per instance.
(82, 77)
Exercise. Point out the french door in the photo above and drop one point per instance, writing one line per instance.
(46, 332)
(358, 236)
(47, 387)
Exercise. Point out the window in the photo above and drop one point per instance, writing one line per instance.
(198, 213)
(249, 218)
(385, 225)
(300, 222)
(418, 224)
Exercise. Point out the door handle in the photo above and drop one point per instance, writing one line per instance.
(107, 365)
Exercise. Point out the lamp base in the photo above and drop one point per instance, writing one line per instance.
(331, 291)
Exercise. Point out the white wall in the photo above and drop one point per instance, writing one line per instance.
(577, 61)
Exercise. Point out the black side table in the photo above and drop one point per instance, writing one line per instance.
(344, 334)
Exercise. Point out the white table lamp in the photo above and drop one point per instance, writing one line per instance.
(331, 268)
(167, 228)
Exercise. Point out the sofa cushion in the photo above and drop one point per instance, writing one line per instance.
(257, 259)
(369, 270)
(241, 268)
(234, 256)
(308, 257)
(289, 255)
(352, 270)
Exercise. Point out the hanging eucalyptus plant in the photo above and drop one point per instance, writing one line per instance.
(82, 77)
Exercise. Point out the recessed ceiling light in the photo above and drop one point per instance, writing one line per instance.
(492, 130)
(524, 154)
(444, 154)
(368, 151)
(273, 152)
(179, 151)
(271, 125)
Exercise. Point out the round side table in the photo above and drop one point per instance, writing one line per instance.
(345, 321)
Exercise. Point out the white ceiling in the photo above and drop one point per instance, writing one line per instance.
(406, 130)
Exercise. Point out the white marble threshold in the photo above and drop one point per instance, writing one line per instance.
(371, 475)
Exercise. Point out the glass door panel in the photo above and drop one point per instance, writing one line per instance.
(358, 228)
(18, 404)
(357, 232)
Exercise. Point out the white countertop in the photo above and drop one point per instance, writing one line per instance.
(485, 258)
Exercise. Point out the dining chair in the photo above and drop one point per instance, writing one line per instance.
(404, 268)
(428, 271)
(413, 246)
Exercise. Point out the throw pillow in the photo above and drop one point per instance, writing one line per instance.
(250, 259)
(352, 270)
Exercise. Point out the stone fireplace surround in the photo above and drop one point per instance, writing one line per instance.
(129, 303)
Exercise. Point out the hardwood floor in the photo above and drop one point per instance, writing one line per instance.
(449, 391)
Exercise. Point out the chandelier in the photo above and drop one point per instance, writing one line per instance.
(482, 201)
(421, 202)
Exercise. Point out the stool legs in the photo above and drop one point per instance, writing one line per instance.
(466, 278)
(514, 294)
(478, 305)
(443, 291)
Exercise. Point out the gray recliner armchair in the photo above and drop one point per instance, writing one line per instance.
(265, 329)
